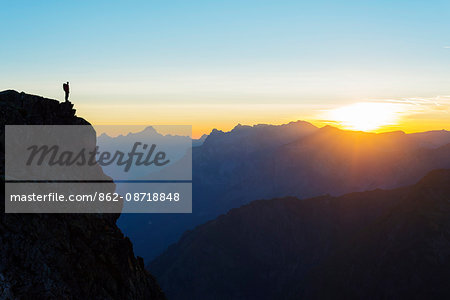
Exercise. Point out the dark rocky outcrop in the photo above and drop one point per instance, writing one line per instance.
(381, 244)
(63, 256)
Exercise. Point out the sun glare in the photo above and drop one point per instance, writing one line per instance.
(366, 116)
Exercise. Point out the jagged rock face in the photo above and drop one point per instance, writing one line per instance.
(63, 256)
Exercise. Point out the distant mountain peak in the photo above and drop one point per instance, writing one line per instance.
(216, 131)
(150, 129)
(240, 127)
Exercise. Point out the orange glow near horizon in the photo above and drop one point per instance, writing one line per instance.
(361, 116)
(407, 127)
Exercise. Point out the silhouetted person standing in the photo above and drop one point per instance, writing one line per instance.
(66, 90)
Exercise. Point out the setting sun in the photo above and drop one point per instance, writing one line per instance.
(366, 116)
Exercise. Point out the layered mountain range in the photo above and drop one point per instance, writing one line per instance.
(380, 244)
(231, 169)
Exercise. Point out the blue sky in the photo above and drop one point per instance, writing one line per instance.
(160, 54)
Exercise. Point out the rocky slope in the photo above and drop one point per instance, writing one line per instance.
(405, 254)
(63, 256)
(381, 244)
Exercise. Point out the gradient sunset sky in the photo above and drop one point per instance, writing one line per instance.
(213, 64)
